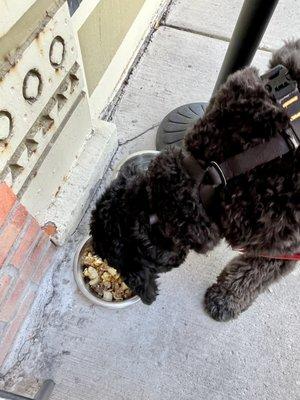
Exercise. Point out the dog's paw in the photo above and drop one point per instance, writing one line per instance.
(147, 298)
(220, 304)
(144, 285)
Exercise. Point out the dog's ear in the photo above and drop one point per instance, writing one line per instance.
(203, 238)
(143, 283)
(106, 224)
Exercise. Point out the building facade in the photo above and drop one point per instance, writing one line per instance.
(61, 64)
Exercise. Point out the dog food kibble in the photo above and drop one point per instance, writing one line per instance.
(104, 280)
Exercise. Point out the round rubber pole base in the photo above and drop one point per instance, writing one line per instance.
(174, 126)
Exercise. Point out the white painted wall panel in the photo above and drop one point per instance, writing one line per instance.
(11, 12)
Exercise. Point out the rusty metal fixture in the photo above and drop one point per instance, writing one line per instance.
(32, 86)
(57, 52)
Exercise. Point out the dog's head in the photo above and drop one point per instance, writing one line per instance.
(119, 232)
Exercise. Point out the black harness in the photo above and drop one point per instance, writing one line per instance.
(286, 94)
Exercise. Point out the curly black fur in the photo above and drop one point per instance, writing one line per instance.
(258, 211)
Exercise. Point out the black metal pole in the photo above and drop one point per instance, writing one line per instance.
(45, 391)
(248, 32)
(249, 29)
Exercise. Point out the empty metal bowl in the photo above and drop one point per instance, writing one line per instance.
(85, 288)
(139, 160)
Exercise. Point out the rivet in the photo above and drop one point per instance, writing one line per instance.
(32, 86)
(57, 52)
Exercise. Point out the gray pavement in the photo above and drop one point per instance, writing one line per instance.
(217, 18)
(172, 349)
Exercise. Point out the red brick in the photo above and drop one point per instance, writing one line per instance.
(7, 200)
(45, 263)
(4, 286)
(11, 231)
(15, 326)
(27, 241)
(19, 216)
(10, 306)
(7, 239)
(39, 249)
(3, 327)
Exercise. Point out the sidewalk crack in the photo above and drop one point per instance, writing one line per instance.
(139, 135)
(209, 35)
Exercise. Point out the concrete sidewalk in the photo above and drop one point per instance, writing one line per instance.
(171, 350)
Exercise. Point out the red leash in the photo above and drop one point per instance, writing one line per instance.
(290, 257)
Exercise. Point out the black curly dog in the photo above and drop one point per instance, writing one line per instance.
(258, 211)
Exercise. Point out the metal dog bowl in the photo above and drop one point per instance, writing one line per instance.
(85, 288)
(139, 160)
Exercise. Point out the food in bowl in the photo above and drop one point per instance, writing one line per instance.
(104, 281)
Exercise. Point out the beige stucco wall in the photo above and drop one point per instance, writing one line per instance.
(102, 34)
(13, 36)
(11, 11)
(46, 73)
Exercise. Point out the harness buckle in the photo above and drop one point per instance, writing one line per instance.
(216, 174)
(284, 90)
(278, 82)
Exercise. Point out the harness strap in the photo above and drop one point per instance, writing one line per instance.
(219, 174)
(286, 94)
(249, 159)
(193, 168)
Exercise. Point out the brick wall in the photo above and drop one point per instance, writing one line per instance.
(26, 252)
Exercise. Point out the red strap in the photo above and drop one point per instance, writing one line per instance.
(291, 257)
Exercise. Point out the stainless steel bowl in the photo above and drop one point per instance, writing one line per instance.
(141, 161)
(85, 288)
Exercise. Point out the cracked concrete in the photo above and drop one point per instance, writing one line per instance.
(217, 19)
(171, 349)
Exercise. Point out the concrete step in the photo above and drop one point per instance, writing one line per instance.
(70, 203)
